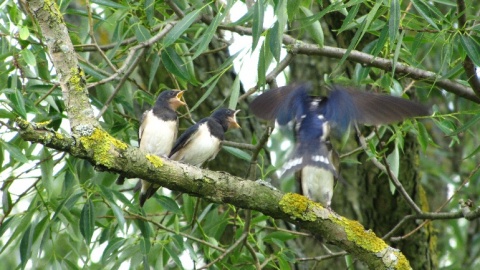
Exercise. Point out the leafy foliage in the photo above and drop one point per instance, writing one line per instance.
(60, 212)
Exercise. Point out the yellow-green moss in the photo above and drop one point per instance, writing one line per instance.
(43, 124)
(357, 234)
(59, 136)
(52, 8)
(101, 144)
(402, 262)
(298, 206)
(76, 79)
(22, 123)
(156, 161)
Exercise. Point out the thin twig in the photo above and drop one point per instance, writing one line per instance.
(92, 36)
(436, 215)
(323, 257)
(120, 84)
(272, 75)
(133, 52)
(229, 250)
(54, 86)
(246, 146)
(135, 216)
(392, 177)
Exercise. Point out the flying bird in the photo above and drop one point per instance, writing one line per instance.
(314, 158)
(158, 131)
(200, 142)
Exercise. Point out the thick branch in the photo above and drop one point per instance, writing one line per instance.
(64, 58)
(107, 153)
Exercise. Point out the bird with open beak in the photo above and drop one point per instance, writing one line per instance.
(200, 142)
(158, 130)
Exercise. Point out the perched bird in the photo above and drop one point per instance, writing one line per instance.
(314, 118)
(158, 131)
(201, 142)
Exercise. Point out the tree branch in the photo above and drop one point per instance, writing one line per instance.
(107, 153)
(369, 60)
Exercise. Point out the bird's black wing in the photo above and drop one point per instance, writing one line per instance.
(282, 104)
(186, 137)
(344, 106)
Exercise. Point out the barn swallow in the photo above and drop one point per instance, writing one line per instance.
(201, 142)
(158, 131)
(315, 117)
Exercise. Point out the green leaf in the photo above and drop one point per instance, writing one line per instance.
(471, 45)
(466, 126)
(46, 167)
(398, 49)
(238, 153)
(108, 3)
(112, 248)
(314, 28)
(174, 64)
(474, 152)
(393, 160)
(275, 45)
(150, 11)
(28, 57)
(26, 245)
(153, 69)
(350, 19)
(283, 236)
(210, 31)
(6, 202)
(426, 11)
(423, 137)
(234, 93)
(68, 203)
(292, 8)
(145, 240)
(141, 33)
(394, 20)
(169, 204)
(87, 221)
(181, 27)
(174, 255)
(257, 28)
(14, 152)
(24, 33)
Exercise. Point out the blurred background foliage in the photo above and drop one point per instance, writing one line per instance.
(58, 212)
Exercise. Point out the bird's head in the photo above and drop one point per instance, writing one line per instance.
(227, 117)
(171, 98)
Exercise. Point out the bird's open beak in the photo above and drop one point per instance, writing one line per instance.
(177, 102)
(233, 121)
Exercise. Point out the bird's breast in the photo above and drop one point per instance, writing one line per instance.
(158, 135)
(204, 146)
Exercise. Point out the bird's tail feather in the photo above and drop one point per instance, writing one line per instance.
(120, 180)
(308, 154)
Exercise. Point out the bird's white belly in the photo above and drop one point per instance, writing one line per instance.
(158, 137)
(317, 184)
(205, 147)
